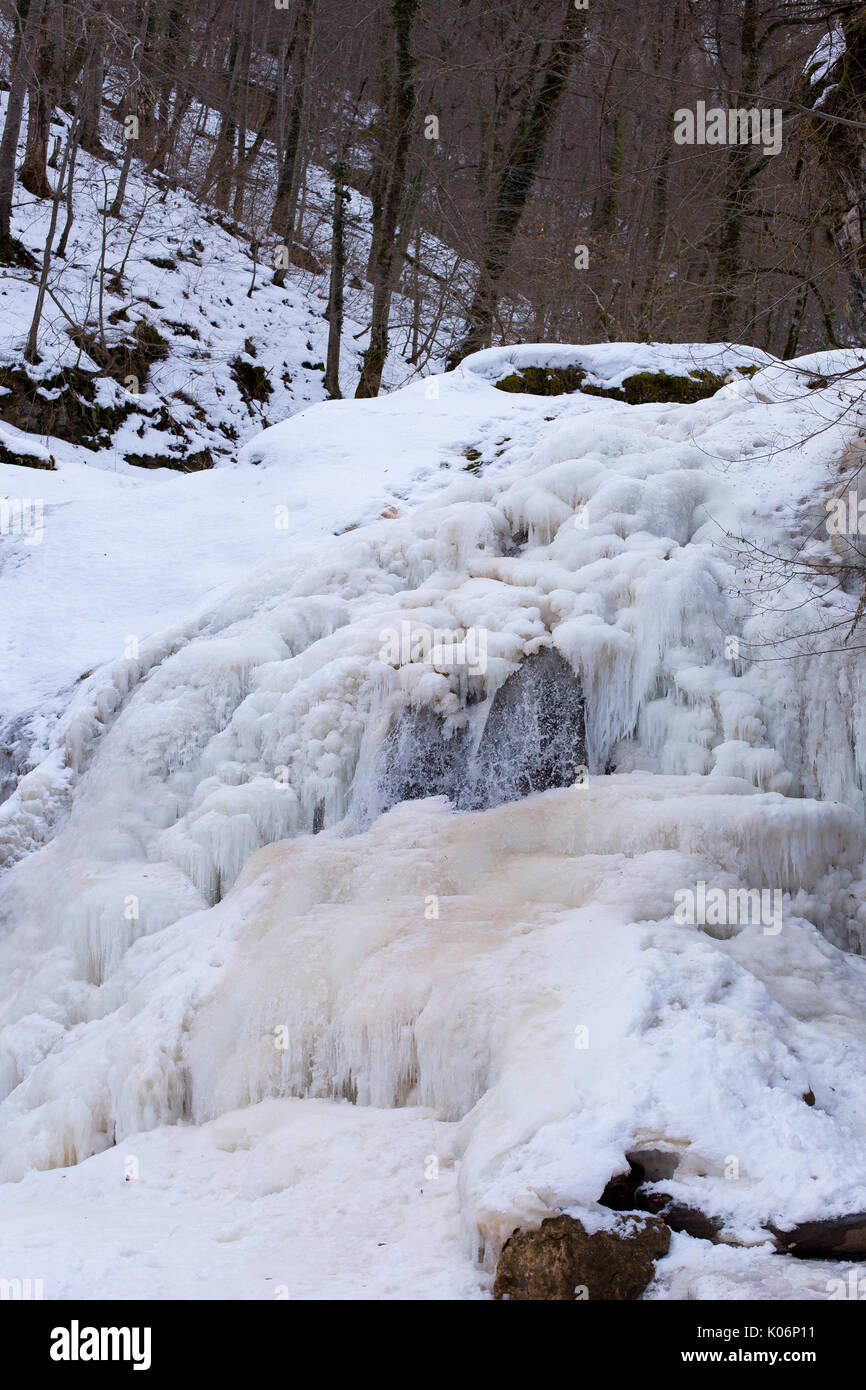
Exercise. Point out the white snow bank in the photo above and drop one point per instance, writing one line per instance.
(286, 1200)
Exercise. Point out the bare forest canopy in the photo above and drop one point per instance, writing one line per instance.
(542, 142)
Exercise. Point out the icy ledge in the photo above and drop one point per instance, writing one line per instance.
(520, 972)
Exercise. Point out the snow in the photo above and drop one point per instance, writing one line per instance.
(288, 1199)
(825, 57)
(169, 916)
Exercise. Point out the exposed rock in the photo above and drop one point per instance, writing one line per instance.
(62, 406)
(419, 758)
(132, 354)
(27, 460)
(253, 382)
(533, 739)
(838, 1238)
(181, 463)
(534, 736)
(626, 1192)
(620, 1194)
(679, 1217)
(652, 1164)
(543, 381)
(560, 1261)
(637, 389)
(14, 747)
(657, 1163)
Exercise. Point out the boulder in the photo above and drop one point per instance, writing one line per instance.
(533, 739)
(561, 1261)
(837, 1237)
(679, 1217)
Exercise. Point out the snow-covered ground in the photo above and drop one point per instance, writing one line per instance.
(199, 988)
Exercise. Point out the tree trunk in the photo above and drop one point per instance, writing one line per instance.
(379, 175)
(514, 183)
(842, 151)
(28, 24)
(335, 296)
(219, 169)
(244, 60)
(72, 151)
(32, 174)
(92, 79)
(292, 163)
(31, 351)
(739, 177)
(397, 135)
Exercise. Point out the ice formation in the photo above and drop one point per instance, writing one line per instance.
(209, 903)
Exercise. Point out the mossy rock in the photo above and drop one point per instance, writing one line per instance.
(644, 387)
(63, 406)
(544, 381)
(638, 389)
(197, 462)
(130, 356)
(560, 1261)
(27, 460)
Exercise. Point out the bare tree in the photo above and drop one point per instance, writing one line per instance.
(512, 183)
(28, 19)
(396, 137)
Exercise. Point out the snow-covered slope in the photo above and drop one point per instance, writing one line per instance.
(230, 352)
(225, 914)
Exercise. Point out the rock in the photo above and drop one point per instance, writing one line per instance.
(534, 736)
(626, 1192)
(656, 1163)
(838, 1237)
(679, 1217)
(26, 459)
(180, 462)
(560, 1261)
(620, 1193)
(636, 389)
(533, 739)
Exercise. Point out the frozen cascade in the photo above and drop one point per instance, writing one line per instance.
(471, 900)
